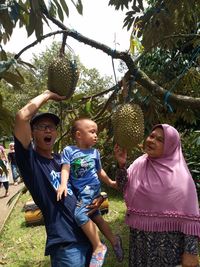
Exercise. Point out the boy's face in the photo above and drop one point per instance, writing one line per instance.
(44, 134)
(86, 134)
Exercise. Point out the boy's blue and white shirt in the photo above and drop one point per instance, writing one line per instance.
(55, 178)
(84, 166)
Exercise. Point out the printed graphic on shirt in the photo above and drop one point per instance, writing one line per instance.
(55, 178)
(81, 166)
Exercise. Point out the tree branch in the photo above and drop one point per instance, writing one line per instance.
(139, 76)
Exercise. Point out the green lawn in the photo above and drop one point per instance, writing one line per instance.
(22, 246)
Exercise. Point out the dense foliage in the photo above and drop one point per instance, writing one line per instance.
(160, 71)
(191, 147)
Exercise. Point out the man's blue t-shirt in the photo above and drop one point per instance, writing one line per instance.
(84, 165)
(41, 176)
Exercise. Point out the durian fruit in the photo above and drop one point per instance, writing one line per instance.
(128, 125)
(63, 76)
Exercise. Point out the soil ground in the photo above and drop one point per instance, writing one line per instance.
(6, 209)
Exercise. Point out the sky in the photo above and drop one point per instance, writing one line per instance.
(99, 22)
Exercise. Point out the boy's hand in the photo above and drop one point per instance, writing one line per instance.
(62, 190)
(95, 205)
(113, 184)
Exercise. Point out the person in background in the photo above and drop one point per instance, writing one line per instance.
(13, 164)
(4, 178)
(3, 153)
(81, 168)
(34, 136)
(162, 205)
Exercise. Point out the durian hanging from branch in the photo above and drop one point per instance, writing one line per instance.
(63, 73)
(128, 120)
(128, 126)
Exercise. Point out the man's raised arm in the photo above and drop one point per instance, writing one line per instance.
(22, 129)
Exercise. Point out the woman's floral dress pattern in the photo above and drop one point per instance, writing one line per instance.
(156, 249)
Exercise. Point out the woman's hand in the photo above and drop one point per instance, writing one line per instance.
(120, 155)
(190, 260)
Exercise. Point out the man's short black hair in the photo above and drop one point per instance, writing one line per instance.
(41, 115)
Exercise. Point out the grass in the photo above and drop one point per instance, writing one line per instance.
(23, 246)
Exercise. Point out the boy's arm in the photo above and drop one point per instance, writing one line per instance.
(64, 181)
(104, 177)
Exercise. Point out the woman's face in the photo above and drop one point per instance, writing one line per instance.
(154, 144)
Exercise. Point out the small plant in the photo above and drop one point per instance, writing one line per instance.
(191, 146)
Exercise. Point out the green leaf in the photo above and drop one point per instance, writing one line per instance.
(65, 7)
(88, 106)
(135, 45)
(79, 6)
(52, 10)
(5, 65)
(21, 78)
(35, 5)
(3, 55)
(31, 24)
(39, 27)
(13, 79)
(78, 97)
(26, 64)
(3, 166)
(6, 22)
(195, 171)
(198, 141)
(60, 12)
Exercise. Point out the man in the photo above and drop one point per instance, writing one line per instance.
(40, 168)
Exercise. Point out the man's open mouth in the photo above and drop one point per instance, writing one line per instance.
(47, 139)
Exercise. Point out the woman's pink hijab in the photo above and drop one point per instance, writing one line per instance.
(160, 194)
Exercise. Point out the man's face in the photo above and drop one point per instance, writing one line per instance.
(44, 134)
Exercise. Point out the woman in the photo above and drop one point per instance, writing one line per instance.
(162, 204)
(13, 164)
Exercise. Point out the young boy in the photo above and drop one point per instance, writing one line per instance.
(81, 165)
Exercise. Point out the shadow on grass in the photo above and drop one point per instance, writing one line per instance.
(32, 263)
(31, 224)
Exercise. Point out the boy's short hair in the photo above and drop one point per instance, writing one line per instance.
(74, 128)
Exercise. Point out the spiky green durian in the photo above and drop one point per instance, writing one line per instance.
(63, 76)
(128, 125)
